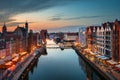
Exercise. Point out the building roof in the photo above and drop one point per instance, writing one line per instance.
(110, 24)
(23, 30)
(117, 22)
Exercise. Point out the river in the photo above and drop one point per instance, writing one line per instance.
(60, 64)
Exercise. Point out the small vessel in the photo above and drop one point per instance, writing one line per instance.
(61, 46)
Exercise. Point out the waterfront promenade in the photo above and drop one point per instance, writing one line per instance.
(17, 70)
(23, 67)
(108, 71)
(35, 54)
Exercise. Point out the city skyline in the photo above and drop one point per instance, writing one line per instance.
(54, 15)
(59, 40)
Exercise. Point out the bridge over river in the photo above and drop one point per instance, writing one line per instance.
(61, 65)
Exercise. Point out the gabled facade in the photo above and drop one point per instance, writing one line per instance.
(116, 41)
(105, 39)
(15, 42)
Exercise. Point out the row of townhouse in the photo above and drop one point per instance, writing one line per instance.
(105, 39)
(13, 42)
(16, 42)
(34, 40)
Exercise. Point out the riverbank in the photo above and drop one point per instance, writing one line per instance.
(23, 67)
(101, 70)
(42, 51)
(16, 70)
(36, 54)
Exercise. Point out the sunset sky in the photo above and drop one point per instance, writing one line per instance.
(57, 15)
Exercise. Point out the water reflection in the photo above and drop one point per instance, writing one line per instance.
(91, 74)
(61, 65)
(44, 53)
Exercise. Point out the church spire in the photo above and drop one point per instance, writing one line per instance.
(26, 26)
(4, 29)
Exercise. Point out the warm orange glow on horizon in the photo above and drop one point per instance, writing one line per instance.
(41, 21)
(8, 28)
(37, 26)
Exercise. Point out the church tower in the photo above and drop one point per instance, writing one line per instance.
(26, 29)
(4, 28)
(26, 26)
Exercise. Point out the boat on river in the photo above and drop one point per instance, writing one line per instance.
(61, 45)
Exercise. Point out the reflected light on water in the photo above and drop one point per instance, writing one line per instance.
(51, 43)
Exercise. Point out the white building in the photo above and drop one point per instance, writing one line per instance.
(70, 36)
(82, 38)
(104, 39)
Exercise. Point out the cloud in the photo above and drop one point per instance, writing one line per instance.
(10, 8)
(56, 18)
(82, 17)
(11, 24)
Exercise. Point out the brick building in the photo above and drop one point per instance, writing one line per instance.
(105, 39)
(116, 41)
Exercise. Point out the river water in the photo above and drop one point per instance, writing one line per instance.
(60, 64)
